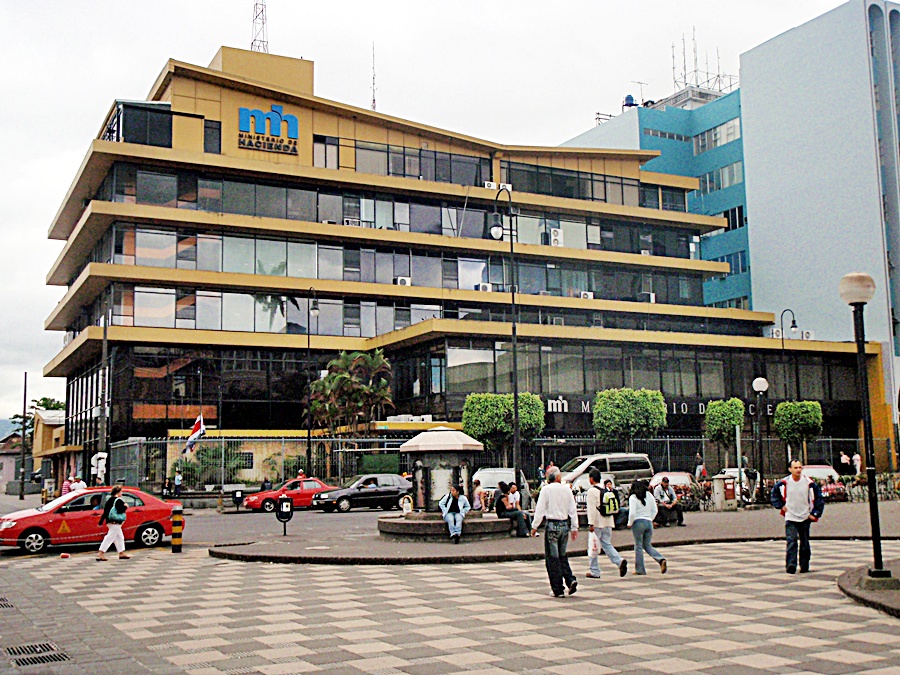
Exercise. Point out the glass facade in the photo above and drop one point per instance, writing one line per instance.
(186, 249)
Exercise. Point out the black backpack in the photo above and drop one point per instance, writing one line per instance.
(609, 502)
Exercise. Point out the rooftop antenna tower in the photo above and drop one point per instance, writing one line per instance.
(260, 41)
(641, 85)
(373, 76)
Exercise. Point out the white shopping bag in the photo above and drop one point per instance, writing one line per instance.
(593, 545)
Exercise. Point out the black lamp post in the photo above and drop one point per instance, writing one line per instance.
(856, 289)
(312, 310)
(760, 386)
(496, 233)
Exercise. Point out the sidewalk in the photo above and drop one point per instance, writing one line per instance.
(361, 546)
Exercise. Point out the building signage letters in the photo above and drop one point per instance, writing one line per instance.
(262, 131)
(575, 404)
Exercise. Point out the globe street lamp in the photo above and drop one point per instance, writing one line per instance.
(856, 289)
(760, 386)
(496, 233)
(312, 310)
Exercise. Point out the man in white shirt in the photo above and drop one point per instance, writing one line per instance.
(556, 505)
(79, 484)
(857, 463)
(799, 500)
(600, 500)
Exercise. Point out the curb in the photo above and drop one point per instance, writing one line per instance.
(219, 552)
(847, 583)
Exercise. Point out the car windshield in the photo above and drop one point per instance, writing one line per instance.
(491, 477)
(822, 473)
(350, 481)
(59, 501)
(572, 464)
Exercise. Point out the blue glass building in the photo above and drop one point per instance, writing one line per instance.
(698, 133)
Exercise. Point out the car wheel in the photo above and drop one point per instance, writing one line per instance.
(34, 541)
(268, 505)
(148, 535)
(343, 505)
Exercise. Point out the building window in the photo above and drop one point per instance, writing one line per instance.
(668, 135)
(325, 152)
(245, 460)
(737, 262)
(735, 217)
(722, 178)
(717, 136)
(212, 137)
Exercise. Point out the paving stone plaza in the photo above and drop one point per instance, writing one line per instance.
(720, 608)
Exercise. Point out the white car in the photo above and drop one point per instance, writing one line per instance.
(490, 477)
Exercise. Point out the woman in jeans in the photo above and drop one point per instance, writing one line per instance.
(114, 517)
(642, 510)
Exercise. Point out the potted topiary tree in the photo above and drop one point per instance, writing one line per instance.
(721, 419)
(489, 418)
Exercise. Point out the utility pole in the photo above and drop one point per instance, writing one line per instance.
(24, 438)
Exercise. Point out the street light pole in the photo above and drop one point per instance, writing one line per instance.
(312, 310)
(760, 386)
(856, 289)
(496, 232)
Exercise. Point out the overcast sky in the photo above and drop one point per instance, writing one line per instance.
(514, 72)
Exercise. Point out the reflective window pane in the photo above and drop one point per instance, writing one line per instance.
(271, 257)
(238, 255)
(237, 312)
(301, 260)
(154, 307)
(271, 314)
(155, 249)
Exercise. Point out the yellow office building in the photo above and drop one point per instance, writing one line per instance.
(204, 219)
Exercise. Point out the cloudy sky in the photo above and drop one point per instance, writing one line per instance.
(515, 72)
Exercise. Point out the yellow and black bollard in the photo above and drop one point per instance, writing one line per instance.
(177, 528)
(44, 496)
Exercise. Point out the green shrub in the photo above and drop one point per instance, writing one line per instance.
(625, 414)
(797, 422)
(488, 418)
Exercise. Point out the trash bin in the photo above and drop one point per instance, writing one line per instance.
(724, 495)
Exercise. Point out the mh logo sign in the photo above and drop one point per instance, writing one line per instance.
(253, 133)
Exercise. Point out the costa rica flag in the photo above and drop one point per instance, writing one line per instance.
(197, 432)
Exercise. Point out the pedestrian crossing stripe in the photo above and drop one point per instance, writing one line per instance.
(64, 528)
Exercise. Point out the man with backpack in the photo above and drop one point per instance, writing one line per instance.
(602, 507)
(799, 500)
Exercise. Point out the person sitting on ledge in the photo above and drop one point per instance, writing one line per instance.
(503, 507)
(454, 506)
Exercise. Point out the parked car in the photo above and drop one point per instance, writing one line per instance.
(832, 489)
(684, 485)
(300, 490)
(383, 490)
(74, 518)
(491, 476)
(624, 466)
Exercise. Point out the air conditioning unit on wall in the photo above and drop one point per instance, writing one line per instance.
(776, 333)
(554, 237)
(403, 281)
(351, 221)
(586, 295)
(487, 288)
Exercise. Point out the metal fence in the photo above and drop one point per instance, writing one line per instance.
(217, 463)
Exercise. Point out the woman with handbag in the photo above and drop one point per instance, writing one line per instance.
(114, 517)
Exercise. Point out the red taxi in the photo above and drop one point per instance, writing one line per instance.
(74, 519)
(300, 490)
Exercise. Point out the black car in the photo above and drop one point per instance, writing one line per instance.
(372, 490)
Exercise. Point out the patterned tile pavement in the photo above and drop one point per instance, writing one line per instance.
(725, 608)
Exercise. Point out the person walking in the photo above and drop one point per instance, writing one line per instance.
(857, 463)
(114, 516)
(844, 467)
(698, 466)
(454, 507)
(642, 510)
(556, 505)
(602, 506)
(799, 500)
(66, 486)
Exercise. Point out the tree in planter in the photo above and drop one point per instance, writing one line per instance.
(721, 419)
(625, 414)
(488, 418)
(797, 422)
